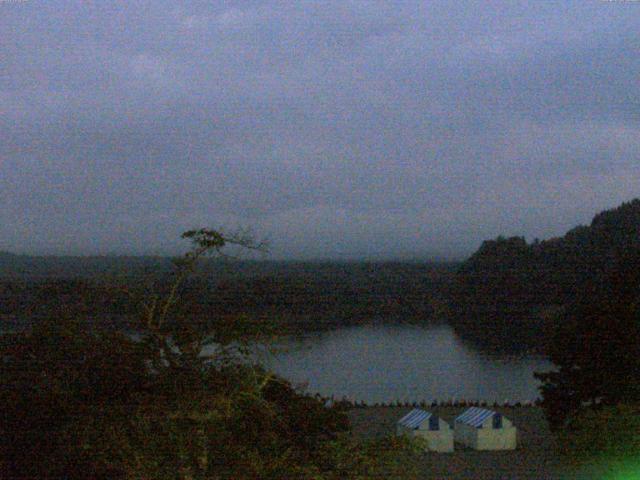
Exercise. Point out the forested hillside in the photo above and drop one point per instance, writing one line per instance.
(509, 290)
(307, 295)
(506, 295)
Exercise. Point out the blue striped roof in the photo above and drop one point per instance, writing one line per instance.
(475, 416)
(414, 418)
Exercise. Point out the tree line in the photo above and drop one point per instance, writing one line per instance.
(510, 292)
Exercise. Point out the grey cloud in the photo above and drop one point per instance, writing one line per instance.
(339, 129)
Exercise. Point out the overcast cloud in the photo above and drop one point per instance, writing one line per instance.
(336, 129)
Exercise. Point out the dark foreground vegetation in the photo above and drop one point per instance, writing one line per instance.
(80, 401)
(81, 405)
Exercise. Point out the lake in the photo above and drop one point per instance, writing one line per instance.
(383, 363)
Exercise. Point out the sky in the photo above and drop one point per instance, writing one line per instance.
(333, 129)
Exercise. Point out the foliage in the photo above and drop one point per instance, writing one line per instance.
(387, 457)
(178, 399)
(507, 288)
(605, 434)
(51, 379)
(596, 346)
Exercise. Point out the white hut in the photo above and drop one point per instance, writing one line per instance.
(483, 429)
(437, 433)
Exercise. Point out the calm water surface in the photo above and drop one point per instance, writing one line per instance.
(400, 362)
(384, 363)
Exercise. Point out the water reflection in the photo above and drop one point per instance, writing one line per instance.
(386, 363)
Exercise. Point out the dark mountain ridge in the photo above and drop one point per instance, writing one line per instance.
(509, 290)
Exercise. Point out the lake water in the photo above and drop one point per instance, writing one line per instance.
(385, 363)
(408, 363)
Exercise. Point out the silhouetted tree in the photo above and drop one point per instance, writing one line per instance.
(596, 346)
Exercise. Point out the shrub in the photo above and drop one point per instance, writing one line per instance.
(607, 433)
